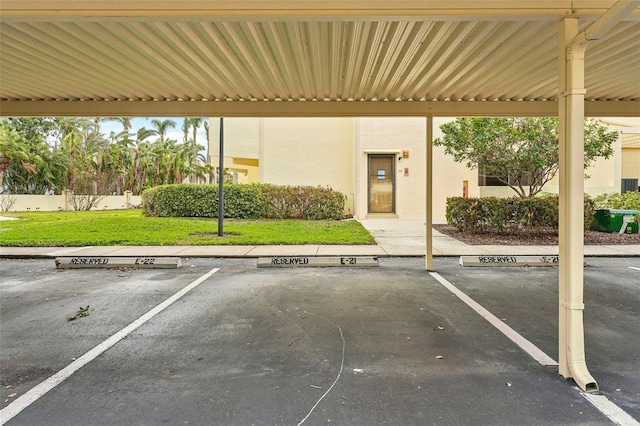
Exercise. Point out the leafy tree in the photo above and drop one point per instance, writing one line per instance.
(520, 152)
(29, 165)
(35, 128)
(90, 175)
(38, 155)
(12, 149)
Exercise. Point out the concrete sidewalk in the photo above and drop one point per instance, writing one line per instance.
(394, 238)
(406, 238)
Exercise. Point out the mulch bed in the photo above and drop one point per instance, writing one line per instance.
(549, 237)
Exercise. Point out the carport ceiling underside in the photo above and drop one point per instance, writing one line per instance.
(305, 57)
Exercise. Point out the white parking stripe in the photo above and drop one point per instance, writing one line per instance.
(633, 267)
(611, 410)
(513, 335)
(38, 391)
(606, 407)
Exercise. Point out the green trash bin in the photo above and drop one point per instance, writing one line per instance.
(610, 220)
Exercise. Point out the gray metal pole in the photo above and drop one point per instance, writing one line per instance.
(221, 181)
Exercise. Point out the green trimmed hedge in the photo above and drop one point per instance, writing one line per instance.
(302, 202)
(508, 215)
(244, 201)
(626, 201)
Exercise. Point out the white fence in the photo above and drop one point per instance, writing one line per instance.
(48, 203)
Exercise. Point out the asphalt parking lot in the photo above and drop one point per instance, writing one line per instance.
(248, 346)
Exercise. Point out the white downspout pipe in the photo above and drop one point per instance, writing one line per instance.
(571, 357)
(572, 363)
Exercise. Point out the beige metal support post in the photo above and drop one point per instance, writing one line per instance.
(571, 357)
(572, 362)
(429, 196)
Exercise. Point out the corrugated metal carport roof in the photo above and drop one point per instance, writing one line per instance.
(270, 58)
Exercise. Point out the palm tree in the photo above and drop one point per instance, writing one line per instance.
(67, 125)
(143, 133)
(193, 123)
(206, 129)
(12, 148)
(181, 163)
(186, 127)
(125, 121)
(162, 127)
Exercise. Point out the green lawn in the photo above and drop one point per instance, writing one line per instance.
(130, 227)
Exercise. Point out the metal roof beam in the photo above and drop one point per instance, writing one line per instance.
(295, 9)
(306, 109)
(608, 20)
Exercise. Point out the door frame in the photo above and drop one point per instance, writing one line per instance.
(392, 156)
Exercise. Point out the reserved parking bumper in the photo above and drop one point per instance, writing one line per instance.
(549, 260)
(317, 261)
(75, 262)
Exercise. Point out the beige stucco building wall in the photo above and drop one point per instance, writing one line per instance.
(631, 155)
(334, 152)
(449, 177)
(309, 151)
(289, 151)
(242, 155)
(48, 203)
(393, 136)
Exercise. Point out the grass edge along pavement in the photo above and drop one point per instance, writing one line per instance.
(130, 227)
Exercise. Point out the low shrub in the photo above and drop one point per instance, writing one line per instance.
(508, 215)
(302, 202)
(192, 200)
(626, 201)
(242, 201)
(250, 201)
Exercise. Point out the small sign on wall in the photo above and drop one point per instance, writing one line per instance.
(406, 172)
(405, 153)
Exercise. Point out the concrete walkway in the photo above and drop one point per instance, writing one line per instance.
(394, 238)
(406, 238)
